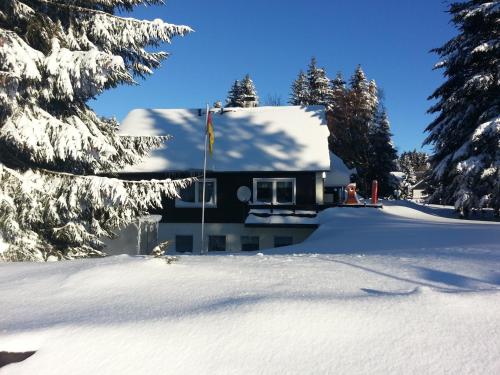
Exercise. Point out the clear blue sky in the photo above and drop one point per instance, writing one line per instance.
(273, 39)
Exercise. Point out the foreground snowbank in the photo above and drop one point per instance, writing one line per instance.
(380, 309)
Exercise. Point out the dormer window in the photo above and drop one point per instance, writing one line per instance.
(274, 191)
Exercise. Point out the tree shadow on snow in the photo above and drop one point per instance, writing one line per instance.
(375, 292)
(430, 278)
(454, 279)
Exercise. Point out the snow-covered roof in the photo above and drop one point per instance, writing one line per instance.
(398, 175)
(339, 174)
(288, 138)
(421, 184)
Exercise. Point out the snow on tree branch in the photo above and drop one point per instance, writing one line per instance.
(54, 150)
(465, 136)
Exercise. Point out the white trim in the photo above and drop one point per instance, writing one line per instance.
(274, 181)
(320, 187)
(197, 186)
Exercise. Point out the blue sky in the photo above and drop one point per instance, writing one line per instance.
(273, 39)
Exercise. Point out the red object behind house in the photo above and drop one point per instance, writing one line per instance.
(374, 192)
(351, 195)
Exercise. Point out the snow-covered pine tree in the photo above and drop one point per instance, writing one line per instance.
(407, 167)
(415, 167)
(383, 153)
(418, 160)
(338, 123)
(54, 57)
(318, 85)
(338, 92)
(248, 94)
(362, 107)
(466, 131)
(234, 95)
(300, 92)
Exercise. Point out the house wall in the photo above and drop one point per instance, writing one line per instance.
(335, 194)
(227, 218)
(309, 188)
(126, 243)
(419, 194)
(233, 232)
(137, 238)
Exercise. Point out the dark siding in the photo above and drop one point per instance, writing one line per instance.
(229, 208)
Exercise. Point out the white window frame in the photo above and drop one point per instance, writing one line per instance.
(198, 186)
(274, 182)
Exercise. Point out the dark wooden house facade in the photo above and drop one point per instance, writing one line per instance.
(265, 181)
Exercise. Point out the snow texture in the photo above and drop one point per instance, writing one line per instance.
(286, 138)
(3, 245)
(392, 291)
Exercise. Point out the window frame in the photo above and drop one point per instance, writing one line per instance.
(198, 188)
(274, 181)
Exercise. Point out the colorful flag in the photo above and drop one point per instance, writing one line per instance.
(210, 132)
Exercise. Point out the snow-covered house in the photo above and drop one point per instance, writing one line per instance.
(418, 191)
(265, 180)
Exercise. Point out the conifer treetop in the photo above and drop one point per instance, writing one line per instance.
(318, 85)
(300, 90)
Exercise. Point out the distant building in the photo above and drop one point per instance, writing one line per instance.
(418, 190)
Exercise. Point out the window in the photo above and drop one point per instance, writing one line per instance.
(250, 243)
(280, 241)
(192, 196)
(274, 190)
(216, 243)
(184, 244)
(284, 191)
(265, 191)
(188, 194)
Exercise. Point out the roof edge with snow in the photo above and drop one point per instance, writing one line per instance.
(265, 139)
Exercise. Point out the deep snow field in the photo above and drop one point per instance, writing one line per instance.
(393, 291)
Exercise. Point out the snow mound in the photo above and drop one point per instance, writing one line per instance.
(407, 293)
(396, 229)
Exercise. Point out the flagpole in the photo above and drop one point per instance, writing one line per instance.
(203, 250)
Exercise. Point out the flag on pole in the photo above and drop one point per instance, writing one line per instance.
(210, 132)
